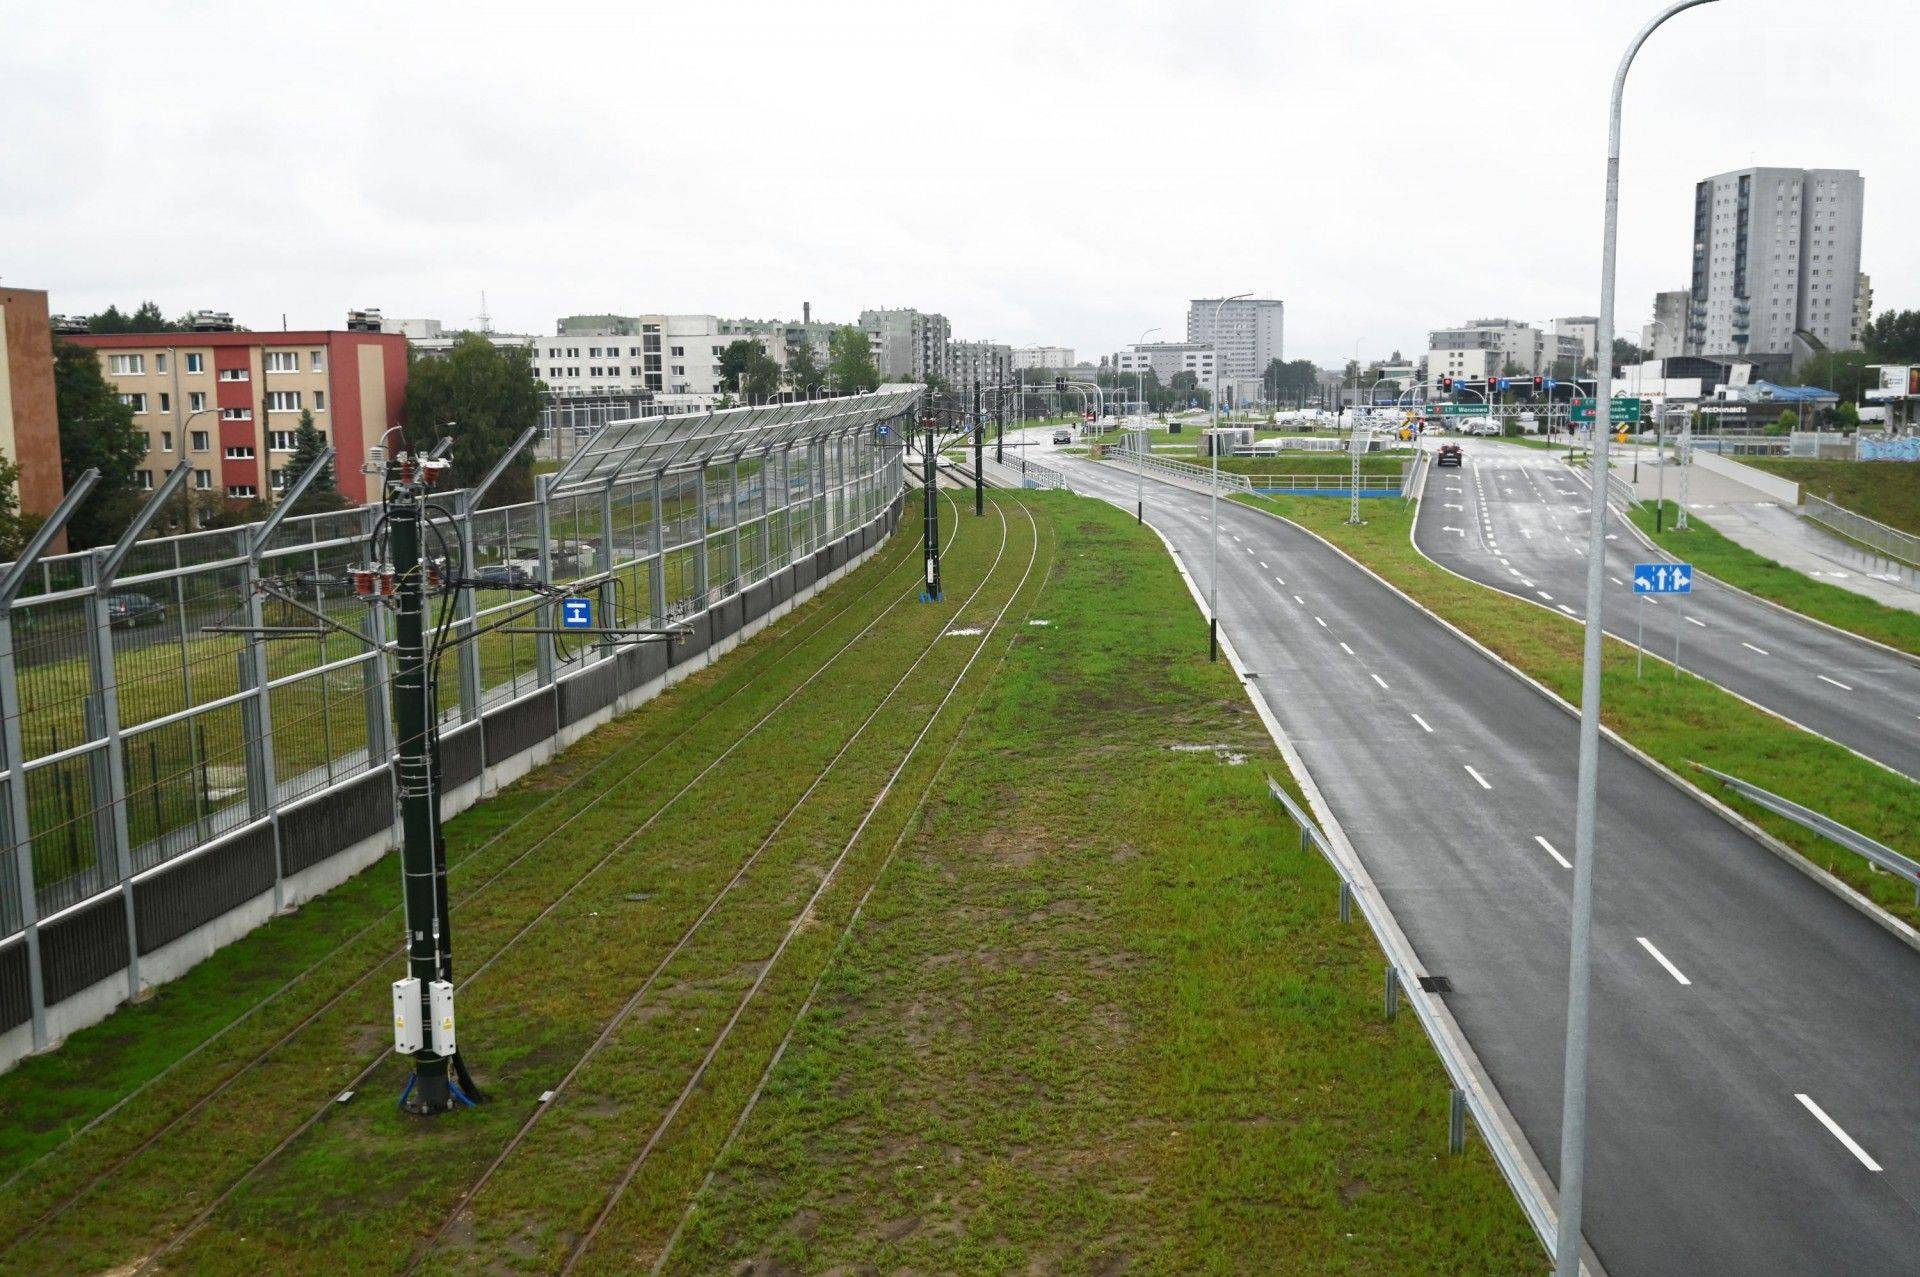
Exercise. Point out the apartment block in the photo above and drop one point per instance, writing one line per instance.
(984, 363)
(1776, 253)
(1666, 336)
(231, 401)
(1165, 358)
(1246, 334)
(908, 345)
(29, 424)
(1026, 358)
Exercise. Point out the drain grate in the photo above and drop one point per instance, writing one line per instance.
(1436, 984)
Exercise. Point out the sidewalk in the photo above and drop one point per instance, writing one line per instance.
(1777, 532)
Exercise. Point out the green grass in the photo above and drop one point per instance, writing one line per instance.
(1735, 564)
(1678, 721)
(1079, 1024)
(1289, 463)
(1885, 490)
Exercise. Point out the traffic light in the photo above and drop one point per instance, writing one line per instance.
(1059, 385)
(1538, 382)
(1446, 385)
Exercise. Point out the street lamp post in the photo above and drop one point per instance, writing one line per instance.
(1213, 491)
(1573, 1112)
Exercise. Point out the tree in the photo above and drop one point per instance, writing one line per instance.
(749, 370)
(144, 319)
(96, 432)
(484, 396)
(1625, 352)
(1846, 373)
(1894, 337)
(15, 529)
(850, 361)
(1846, 416)
(803, 370)
(1786, 423)
(308, 444)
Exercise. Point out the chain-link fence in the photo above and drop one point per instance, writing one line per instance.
(192, 693)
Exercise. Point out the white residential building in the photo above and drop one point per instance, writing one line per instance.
(983, 363)
(1250, 335)
(1165, 358)
(1028, 357)
(1584, 328)
(1776, 251)
(1666, 337)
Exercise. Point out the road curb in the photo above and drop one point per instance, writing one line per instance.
(1872, 910)
(1541, 1186)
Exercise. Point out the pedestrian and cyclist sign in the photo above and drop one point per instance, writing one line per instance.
(1663, 578)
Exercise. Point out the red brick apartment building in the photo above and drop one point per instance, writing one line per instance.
(29, 426)
(232, 400)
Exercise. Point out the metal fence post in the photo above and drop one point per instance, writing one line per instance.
(19, 819)
(1393, 991)
(1456, 1120)
(108, 762)
(1346, 901)
(543, 528)
(733, 507)
(608, 589)
(466, 655)
(256, 717)
(702, 580)
(657, 586)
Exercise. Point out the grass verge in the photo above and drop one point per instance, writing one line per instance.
(1677, 721)
(1733, 563)
(1100, 1014)
(1885, 490)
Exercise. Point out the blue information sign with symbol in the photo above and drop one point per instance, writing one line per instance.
(1663, 578)
(883, 430)
(576, 614)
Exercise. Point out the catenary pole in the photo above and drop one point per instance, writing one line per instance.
(1573, 1112)
(930, 512)
(979, 441)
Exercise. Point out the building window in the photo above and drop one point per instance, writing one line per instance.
(242, 491)
(159, 363)
(137, 402)
(240, 452)
(279, 441)
(127, 365)
(319, 401)
(679, 352)
(146, 480)
(283, 401)
(166, 402)
(233, 374)
(283, 361)
(203, 479)
(196, 363)
(166, 441)
(236, 414)
(196, 401)
(317, 360)
(199, 441)
(277, 480)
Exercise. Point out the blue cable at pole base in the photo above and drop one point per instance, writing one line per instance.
(461, 1095)
(411, 1079)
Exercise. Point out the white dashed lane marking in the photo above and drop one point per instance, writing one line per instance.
(1833, 1128)
(1661, 958)
(1564, 862)
(1477, 776)
(1836, 682)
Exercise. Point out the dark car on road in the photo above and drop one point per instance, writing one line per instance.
(1063, 436)
(1449, 455)
(504, 576)
(129, 610)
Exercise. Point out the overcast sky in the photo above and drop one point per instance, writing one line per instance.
(1064, 173)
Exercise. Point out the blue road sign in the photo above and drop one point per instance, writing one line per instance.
(884, 430)
(1550, 383)
(1505, 384)
(576, 614)
(1663, 578)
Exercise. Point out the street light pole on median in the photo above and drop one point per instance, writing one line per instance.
(1573, 1111)
(1213, 491)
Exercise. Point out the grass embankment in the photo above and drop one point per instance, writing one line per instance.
(1333, 463)
(1733, 563)
(1677, 721)
(1885, 490)
(1079, 1023)
(1100, 1014)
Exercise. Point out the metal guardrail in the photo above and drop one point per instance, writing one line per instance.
(1892, 543)
(1621, 492)
(1322, 482)
(1181, 470)
(1402, 966)
(1877, 853)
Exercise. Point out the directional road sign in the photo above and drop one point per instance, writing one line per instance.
(576, 613)
(1619, 411)
(1465, 410)
(1663, 578)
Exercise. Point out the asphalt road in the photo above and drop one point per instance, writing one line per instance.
(1726, 983)
(1516, 519)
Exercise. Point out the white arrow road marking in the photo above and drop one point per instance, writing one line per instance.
(1564, 862)
(1661, 958)
(1836, 682)
(1422, 722)
(1450, 528)
(1833, 1128)
(1477, 776)
(1751, 648)
(1450, 505)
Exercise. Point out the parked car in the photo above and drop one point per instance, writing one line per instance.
(510, 575)
(323, 583)
(1449, 455)
(1063, 436)
(129, 610)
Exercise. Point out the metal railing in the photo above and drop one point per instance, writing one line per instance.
(1621, 493)
(1183, 471)
(158, 697)
(1403, 976)
(1324, 483)
(1876, 853)
(1035, 475)
(1890, 543)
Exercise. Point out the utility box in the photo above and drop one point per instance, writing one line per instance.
(440, 1000)
(407, 1037)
